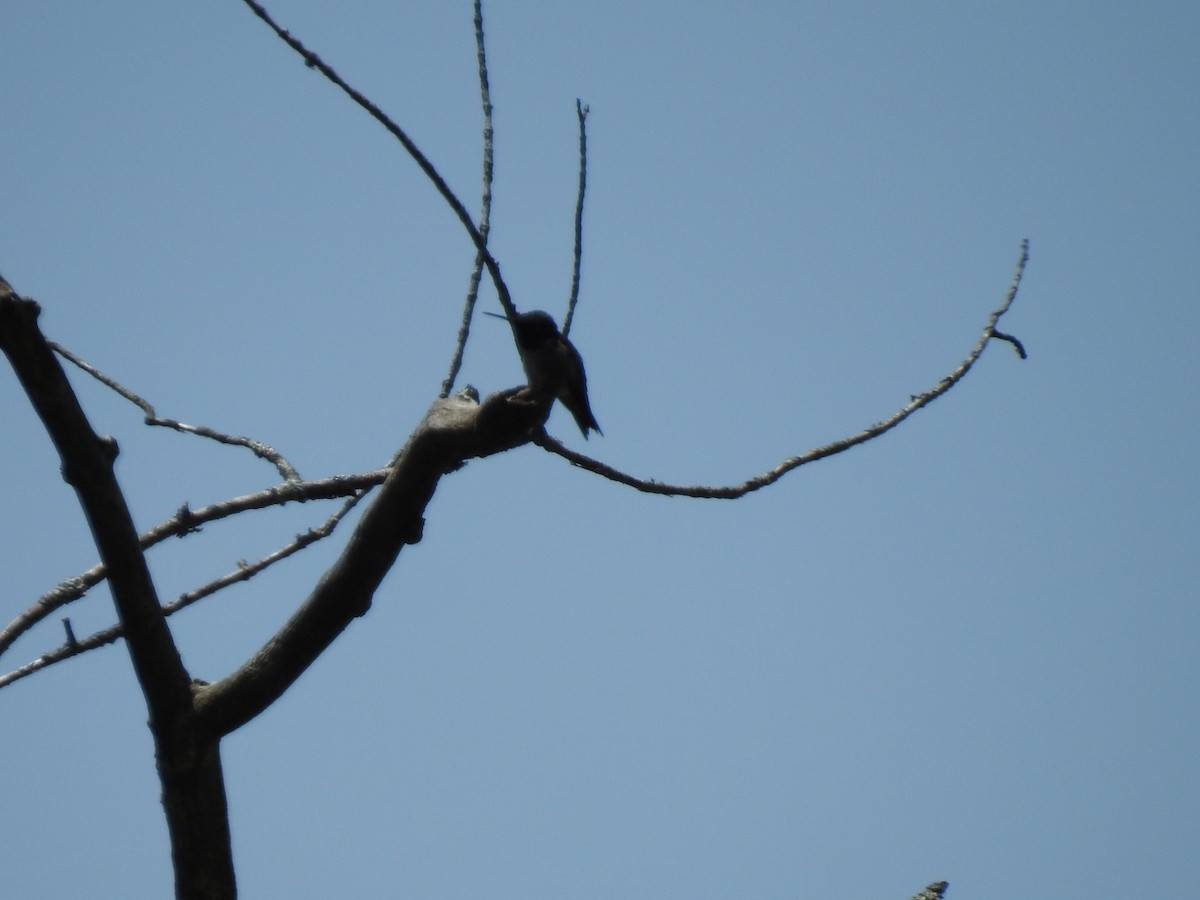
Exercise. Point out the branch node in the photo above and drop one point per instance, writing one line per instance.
(71, 642)
(110, 448)
(415, 532)
(187, 521)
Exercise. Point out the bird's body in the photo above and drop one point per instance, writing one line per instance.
(553, 365)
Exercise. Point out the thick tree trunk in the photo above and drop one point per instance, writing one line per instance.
(193, 797)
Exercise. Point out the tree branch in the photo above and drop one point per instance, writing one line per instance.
(261, 450)
(244, 572)
(185, 521)
(581, 111)
(485, 206)
(454, 430)
(313, 61)
(87, 465)
(732, 492)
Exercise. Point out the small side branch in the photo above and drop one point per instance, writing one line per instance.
(66, 651)
(732, 492)
(261, 450)
(1017, 345)
(992, 331)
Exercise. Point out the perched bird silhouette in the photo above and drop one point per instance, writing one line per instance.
(552, 364)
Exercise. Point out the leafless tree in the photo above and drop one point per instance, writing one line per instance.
(187, 717)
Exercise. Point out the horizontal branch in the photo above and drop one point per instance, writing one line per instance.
(732, 492)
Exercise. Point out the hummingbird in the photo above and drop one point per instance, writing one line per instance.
(552, 364)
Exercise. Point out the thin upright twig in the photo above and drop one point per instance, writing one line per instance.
(582, 112)
(485, 206)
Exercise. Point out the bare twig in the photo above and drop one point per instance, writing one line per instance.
(732, 492)
(261, 450)
(66, 651)
(244, 572)
(582, 112)
(185, 521)
(313, 61)
(485, 206)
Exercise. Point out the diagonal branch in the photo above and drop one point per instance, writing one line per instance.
(732, 492)
(313, 61)
(454, 430)
(185, 521)
(87, 465)
(244, 572)
(261, 450)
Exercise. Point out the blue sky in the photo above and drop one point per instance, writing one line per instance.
(965, 651)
